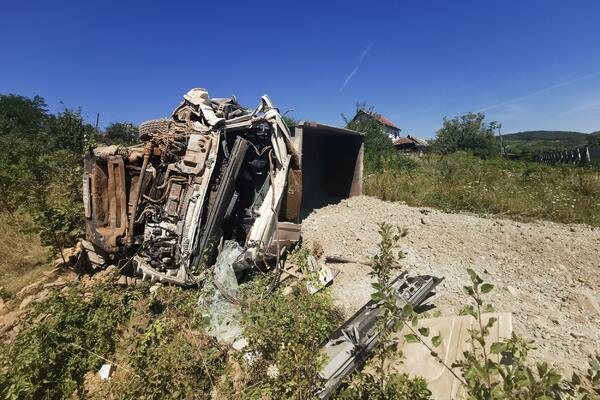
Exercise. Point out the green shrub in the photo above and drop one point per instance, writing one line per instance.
(59, 223)
(64, 337)
(285, 333)
(513, 376)
(168, 360)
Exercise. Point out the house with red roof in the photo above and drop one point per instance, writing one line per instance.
(389, 128)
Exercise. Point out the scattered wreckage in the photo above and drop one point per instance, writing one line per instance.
(219, 188)
(348, 347)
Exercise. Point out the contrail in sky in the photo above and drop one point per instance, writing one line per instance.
(361, 57)
(558, 85)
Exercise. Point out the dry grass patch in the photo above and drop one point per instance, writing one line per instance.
(22, 257)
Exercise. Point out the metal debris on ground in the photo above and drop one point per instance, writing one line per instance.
(348, 347)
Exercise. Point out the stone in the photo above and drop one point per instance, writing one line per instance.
(30, 288)
(240, 344)
(59, 283)
(588, 303)
(26, 301)
(153, 289)
(513, 291)
(52, 273)
(577, 335)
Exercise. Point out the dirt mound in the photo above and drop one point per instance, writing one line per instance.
(547, 274)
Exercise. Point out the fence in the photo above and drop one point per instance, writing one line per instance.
(580, 155)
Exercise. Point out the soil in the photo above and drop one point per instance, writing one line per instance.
(547, 274)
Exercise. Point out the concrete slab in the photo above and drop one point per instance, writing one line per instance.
(455, 340)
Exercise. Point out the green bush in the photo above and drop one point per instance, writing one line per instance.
(501, 370)
(64, 337)
(285, 333)
(169, 361)
(41, 159)
(377, 379)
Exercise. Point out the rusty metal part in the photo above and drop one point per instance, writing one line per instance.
(136, 194)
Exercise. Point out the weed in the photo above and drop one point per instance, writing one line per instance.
(377, 381)
(170, 360)
(284, 335)
(501, 370)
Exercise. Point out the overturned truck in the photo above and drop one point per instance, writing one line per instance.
(214, 171)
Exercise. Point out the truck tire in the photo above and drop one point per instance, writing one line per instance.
(151, 127)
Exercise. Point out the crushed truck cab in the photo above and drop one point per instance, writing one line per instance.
(214, 171)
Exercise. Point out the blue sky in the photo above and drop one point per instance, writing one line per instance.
(527, 64)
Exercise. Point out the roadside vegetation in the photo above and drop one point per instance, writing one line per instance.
(517, 189)
(464, 172)
(41, 166)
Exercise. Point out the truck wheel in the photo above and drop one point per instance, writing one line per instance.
(150, 128)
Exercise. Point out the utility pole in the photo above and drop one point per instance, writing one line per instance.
(97, 120)
(502, 152)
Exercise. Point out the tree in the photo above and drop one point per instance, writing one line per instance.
(68, 131)
(468, 132)
(20, 115)
(593, 139)
(41, 159)
(289, 121)
(123, 133)
(378, 146)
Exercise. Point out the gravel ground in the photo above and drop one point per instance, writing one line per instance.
(547, 274)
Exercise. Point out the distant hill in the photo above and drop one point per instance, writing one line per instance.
(547, 135)
(529, 143)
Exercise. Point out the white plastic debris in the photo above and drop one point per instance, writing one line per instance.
(154, 288)
(106, 371)
(321, 278)
(240, 344)
(250, 358)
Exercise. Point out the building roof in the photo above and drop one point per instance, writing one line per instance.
(379, 117)
(418, 141)
(402, 140)
(410, 140)
(385, 121)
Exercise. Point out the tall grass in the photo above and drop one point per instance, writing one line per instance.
(22, 257)
(462, 182)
